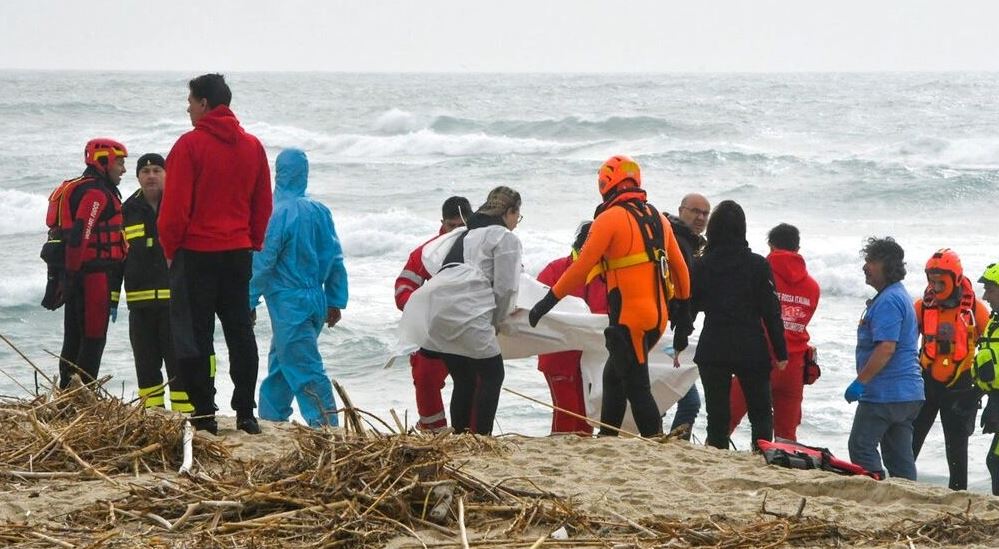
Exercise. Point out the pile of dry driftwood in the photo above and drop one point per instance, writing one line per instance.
(85, 432)
(354, 487)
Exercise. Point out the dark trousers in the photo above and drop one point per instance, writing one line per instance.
(716, 378)
(152, 347)
(477, 384)
(85, 327)
(992, 462)
(203, 285)
(626, 381)
(957, 409)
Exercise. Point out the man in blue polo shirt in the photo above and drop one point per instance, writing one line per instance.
(888, 384)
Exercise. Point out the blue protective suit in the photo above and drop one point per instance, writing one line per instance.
(300, 273)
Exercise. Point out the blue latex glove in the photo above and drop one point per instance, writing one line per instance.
(854, 391)
(114, 314)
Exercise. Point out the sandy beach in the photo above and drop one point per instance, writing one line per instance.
(630, 480)
(637, 479)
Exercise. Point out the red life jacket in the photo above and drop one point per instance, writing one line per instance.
(795, 455)
(948, 335)
(106, 245)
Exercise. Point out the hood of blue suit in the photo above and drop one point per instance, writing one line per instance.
(301, 251)
(292, 177)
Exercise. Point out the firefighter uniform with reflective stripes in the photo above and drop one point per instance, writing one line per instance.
(985, 372)
(147, 292)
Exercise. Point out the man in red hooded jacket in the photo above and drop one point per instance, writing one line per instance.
(214, 211)
(561, 370)
(429, 371)
(799, 296)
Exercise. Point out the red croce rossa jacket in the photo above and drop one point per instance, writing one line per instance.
(798, 294)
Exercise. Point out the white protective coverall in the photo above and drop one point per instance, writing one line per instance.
(460, 309)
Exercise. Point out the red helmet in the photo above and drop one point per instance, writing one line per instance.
(615, 171)
(103, 152)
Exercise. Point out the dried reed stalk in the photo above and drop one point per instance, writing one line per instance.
(354, 488)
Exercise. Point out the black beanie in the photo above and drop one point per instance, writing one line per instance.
(149, 159)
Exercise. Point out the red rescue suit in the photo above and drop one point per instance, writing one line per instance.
(86, 213)
(561, 370)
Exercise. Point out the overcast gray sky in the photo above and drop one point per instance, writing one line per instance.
(503, 35)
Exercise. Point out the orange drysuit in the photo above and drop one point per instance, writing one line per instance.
(635, 295)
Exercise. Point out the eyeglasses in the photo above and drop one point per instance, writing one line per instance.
(520, 217)
(697, 211)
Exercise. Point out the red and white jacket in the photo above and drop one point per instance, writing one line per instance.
(798, 294)
(413, 275)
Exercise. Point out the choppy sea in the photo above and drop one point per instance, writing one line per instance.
(842, 156)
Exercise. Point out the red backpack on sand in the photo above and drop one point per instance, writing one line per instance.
(793, 455)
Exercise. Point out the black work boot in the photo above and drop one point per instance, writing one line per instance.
(248, 424)
(206, 423)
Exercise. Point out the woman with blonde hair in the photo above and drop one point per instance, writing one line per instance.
(475, 290)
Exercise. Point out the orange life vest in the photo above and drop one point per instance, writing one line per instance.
(108, 244)
(948, 335)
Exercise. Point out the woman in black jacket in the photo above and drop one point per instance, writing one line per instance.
(742, 323)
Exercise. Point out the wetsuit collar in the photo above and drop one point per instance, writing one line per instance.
(617, 197)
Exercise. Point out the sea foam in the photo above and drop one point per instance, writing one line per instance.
(21, 212)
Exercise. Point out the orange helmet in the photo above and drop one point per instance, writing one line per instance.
(103, 152)
(615, 171)
(945, 262)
